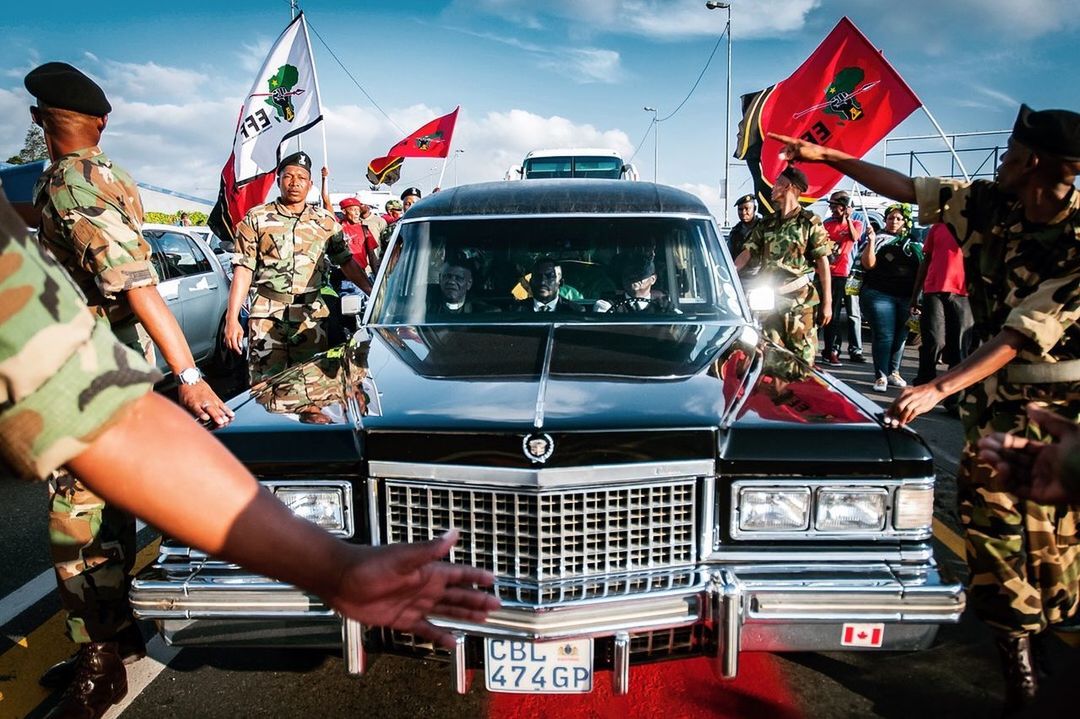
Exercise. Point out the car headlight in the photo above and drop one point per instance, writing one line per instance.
(844, 509)
(914, 507)
(774, 509)
(322, 506)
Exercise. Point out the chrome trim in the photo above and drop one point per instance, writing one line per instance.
(814, 484)
(346, 498)
(553, 215)
(920, 553)
(459, 664)
(620, 676)
(708, 534)
(732, 626)
(373, 511)
(353, 640)
(549, 477)
(542, 383)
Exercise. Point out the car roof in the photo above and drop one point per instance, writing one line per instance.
(558, 197)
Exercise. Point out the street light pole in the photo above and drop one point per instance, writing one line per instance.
(457, 156)
(711, 5)
(655, 142)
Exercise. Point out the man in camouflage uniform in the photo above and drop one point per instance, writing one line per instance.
(82, 403)
(790, 246)
(90, 219)
(746, 207)
(1019, 235)
(280, 248)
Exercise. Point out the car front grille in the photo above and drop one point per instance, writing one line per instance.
(547, 546)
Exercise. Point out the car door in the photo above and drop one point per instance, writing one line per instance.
(168, 287)
(197, 287)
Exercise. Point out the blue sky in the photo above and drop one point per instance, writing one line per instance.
(526, 74)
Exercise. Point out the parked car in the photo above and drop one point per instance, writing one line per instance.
(645, 485)
(195, 287)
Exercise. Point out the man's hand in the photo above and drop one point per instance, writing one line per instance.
(399, 585)
(796, 150)
(825, 313)
(204, 403)
(234, 335)
(912, 402)
(325, 172)
(1033, 469)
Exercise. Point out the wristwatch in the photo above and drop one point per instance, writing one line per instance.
(192, 375)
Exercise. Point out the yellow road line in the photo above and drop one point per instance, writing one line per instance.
(952, 541)
(21, 665)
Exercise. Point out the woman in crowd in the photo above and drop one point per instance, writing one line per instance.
(891, 262)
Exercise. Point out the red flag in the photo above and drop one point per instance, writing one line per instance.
(384, 170)
(845, 95)
(431, 140)
(235, 201)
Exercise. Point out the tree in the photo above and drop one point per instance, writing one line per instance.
(33, 147)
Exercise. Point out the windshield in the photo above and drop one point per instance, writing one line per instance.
(533, 269)
(597, 168)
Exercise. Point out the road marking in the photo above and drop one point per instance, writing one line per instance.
(26, 596)
(952, 541)
(21, 665)
(143, 672)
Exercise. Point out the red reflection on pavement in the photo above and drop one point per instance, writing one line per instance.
(668, 690)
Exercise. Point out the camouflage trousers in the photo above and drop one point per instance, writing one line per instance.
(794, 329)
(1023, 557)
(281, 335)
(93, 552)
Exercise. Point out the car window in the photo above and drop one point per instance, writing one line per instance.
(156, 258)
(178, 255)
(469, 271)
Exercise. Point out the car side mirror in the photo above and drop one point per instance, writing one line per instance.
(353, 304)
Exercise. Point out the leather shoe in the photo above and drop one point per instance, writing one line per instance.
(132, 649)
(100, 681)
(1021, 676)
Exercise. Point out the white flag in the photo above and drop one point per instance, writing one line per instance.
(283, 102)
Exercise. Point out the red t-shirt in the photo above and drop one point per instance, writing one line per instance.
(844, 244)
(945, 262)
(360, 240)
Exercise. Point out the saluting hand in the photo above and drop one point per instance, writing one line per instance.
(400, 585)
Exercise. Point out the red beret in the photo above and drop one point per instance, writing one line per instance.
(350, 202)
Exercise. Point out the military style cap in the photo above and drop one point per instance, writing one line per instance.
(637, 268)
(744, 198)
(796, 177)
(840, 198)
(299, 159)
(411, 192)
(60, 85)
(1056, 132)
(393, 205)
(350, 202)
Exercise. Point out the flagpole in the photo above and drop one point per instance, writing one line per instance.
(318, 94)
(442, 172)
(948, 144)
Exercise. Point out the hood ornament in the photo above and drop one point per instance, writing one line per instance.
(538, 447)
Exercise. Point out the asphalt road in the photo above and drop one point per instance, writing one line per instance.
(957, 677)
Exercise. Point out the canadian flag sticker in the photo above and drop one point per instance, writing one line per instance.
(862, 635)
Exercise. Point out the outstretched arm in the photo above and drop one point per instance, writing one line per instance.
(215, 505)
(881, 180)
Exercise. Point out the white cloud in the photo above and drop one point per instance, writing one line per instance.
(580, 64)
(1000, 98)
(709, 194)
(149, 79)
(662, 19)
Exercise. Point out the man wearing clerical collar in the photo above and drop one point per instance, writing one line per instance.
(455, 281)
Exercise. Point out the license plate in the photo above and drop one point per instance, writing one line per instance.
(512, 665)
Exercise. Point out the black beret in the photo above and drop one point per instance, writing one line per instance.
(744, 198)
(1056, 132)
(638, 267)
(299, 159)
(840, 198)
(59, 85)
(411, 192)
(796, 177)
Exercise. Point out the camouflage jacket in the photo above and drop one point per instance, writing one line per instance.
(63, 376)
(789, 248)
(91, 221)
(285, 251)
(1022, 277)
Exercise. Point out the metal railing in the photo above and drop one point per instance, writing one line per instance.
(920, 154)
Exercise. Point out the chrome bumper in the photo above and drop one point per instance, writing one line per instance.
(747, 607)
